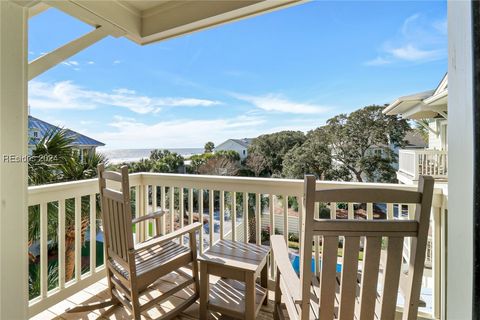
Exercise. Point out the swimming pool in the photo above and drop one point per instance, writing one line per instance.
(295, 260)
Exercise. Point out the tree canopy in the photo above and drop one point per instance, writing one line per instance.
(209, 146)
(312, 157)
(273, 148)
(361, 142)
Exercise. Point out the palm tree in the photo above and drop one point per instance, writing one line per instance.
(56, 145)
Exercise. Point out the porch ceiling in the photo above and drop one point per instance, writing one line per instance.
(149, 21)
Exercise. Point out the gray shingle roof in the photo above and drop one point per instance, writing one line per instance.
(245, 142)
(44, 127)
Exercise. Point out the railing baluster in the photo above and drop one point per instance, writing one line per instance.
(93, 234)
(390, 211)
(146, 202)
(333, 210)
(164, 208)
(200, 217)
(181, 214)
(78, 238)
(258, 218)
(137, 214)
(369, 211)
(61, 243)
(222, 213)
(271, 205)
(156, 230)
(351, 213)
(171, 208)
(285, 217)
(245, 217)
(43, 250)
(234, 216)
(317, 238)
(190, 206)
(211, 222)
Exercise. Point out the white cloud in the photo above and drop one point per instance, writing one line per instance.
(277, 103)
(378, 61)
(71, 63)
(90, 62)
(411, 53)
(419, 40)
(67, 95)
(116, 61)
(179, 133)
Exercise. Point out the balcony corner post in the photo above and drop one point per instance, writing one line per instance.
(13, 170)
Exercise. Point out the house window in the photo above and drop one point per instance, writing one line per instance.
(244, 152)
(35, 134)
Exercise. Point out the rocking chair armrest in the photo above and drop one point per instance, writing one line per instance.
(191, 228)
(151, 216)
(285, 268)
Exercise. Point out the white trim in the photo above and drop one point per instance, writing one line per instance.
(13, 176)
(461, 162)
(51, 59)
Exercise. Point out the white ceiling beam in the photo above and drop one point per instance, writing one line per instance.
(37, 9)
(51, 59)
(178, 18)
(426, 126)
(88, 16)
(443, 114)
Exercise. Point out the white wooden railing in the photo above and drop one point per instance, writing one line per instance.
(415, 162)
(206, 199)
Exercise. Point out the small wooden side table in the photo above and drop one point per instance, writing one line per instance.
(236, 294)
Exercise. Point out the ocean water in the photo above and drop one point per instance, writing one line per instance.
(115, 156)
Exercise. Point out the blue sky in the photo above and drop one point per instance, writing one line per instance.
(290, 69)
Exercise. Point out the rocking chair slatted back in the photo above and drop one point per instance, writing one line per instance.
(365, 289)
(117, 216)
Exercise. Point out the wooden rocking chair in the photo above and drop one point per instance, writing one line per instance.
(132, 268)
(353, 292)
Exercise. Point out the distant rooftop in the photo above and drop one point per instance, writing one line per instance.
(244, 142)
(45, 127)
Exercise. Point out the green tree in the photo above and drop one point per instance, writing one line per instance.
(230, 154)
(209, 146)
(361, 141)
(166, 161)
(273, 148)
(53, 160)
(197, 160)
(312, 157)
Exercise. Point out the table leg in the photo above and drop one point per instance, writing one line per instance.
(204, 290)
(250, 296)
(264, 281)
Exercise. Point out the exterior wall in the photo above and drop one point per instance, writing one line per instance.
(435, 142)
(231, 145)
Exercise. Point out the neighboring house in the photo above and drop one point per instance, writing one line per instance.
(238, 145)
(429, 109)
(81, 144)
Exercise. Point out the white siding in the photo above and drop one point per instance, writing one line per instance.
(232, 145)
(434, 140)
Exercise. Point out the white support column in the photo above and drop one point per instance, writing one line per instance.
(13, 175)
(460, 167)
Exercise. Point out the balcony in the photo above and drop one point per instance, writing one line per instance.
(412, 163)
(240, 209)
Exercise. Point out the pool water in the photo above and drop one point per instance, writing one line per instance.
(295, 260)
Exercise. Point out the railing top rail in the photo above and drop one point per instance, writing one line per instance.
(291, 187)
(422, 151)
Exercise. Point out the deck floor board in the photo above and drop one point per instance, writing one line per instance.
(99, 291)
